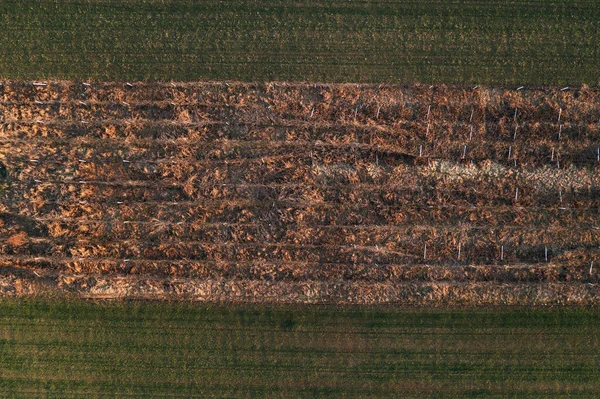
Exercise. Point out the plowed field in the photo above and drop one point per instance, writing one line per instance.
(280, 192)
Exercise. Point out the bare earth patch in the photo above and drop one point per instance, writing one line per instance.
(308, 193)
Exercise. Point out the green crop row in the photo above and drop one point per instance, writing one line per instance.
(70, 349)
(491, 42)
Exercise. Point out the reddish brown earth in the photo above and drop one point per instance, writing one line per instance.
(300, 193)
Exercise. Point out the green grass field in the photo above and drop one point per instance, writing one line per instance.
(482, 41)
(70, 349)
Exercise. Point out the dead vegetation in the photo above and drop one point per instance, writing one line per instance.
(301, 193)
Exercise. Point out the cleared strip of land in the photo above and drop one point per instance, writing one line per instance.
(433, 41)
(300, 193)
(67, 350)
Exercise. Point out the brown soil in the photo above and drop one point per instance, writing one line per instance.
(300, 193)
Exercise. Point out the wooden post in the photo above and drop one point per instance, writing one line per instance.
(502, 252)
(425, 252)
(546, 253)
(459, 251)
(559, 131)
